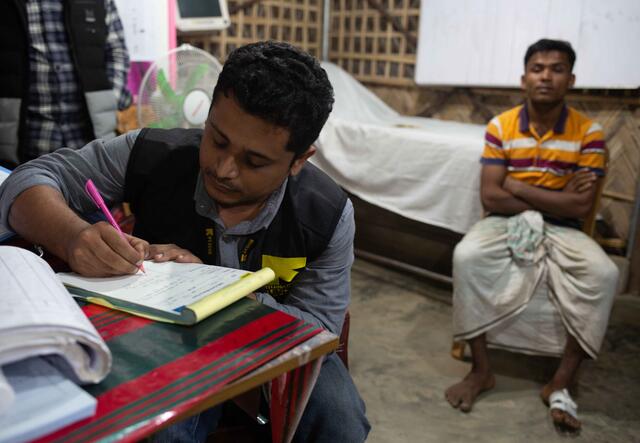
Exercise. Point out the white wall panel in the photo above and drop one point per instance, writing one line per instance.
(482, 42)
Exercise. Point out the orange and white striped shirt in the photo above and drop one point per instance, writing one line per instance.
(547, 160)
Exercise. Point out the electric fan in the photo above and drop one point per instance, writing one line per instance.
(176, 90)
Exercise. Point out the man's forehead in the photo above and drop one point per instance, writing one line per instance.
(549, 57)
(229, 108)
(251, 132)
(267, 128)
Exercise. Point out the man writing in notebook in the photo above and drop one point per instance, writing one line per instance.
(240, 194)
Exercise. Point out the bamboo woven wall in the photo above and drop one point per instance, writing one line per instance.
(375, 40)
(298, 22)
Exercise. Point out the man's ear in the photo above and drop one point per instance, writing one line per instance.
(522, 85)
(299, 162)
(572, 81)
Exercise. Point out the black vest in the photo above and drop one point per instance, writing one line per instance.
(87, 42)
(160, 185)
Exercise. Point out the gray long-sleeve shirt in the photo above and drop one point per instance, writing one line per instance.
(321, 292)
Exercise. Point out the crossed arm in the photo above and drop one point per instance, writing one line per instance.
(502, 194)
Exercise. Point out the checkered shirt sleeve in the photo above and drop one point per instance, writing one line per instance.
(117, 56)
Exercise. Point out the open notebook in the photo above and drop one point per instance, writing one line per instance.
(183, 293)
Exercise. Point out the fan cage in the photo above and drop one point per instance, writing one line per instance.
(169, 80)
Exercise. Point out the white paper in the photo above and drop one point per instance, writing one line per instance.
(45, 401)
(146, 28)
(38, 316)
(166, 286)
(6, 394)
(483, 42)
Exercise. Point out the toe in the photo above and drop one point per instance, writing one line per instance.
(571, 422)
(558, 416)
(454, 402)
(466, 404)
(565, 421)
(450, 399)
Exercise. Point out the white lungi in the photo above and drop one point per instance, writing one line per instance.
(492, 288)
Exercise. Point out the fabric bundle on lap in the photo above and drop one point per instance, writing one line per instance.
(501, 270)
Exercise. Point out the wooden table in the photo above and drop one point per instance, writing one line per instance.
(163, 373)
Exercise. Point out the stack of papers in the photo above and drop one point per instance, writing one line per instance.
(41, 319)
(44, 400)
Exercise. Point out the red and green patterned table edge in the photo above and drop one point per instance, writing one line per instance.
(261, 346)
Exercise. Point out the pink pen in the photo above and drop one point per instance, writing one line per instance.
(97, 199)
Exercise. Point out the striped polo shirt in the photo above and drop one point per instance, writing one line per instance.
(547, 160)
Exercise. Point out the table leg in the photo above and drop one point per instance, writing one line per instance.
(289, 395)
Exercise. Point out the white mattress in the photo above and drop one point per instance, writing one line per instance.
(423, 169)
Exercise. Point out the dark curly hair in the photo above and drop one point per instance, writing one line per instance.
(546, 45)
(280, 84)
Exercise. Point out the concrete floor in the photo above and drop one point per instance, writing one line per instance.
(399, 357)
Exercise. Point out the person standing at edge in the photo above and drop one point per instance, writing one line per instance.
(63, 76)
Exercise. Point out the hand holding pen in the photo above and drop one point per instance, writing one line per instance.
(97, 199)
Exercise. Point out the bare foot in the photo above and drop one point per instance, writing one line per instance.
(561, 419)
(463, 394)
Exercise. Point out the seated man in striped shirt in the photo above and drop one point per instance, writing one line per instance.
(540, 170)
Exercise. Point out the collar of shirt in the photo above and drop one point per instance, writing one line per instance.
(558, 128)
(206, 207)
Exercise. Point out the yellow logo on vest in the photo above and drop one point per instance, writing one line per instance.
(208, 232)
(285, 268)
